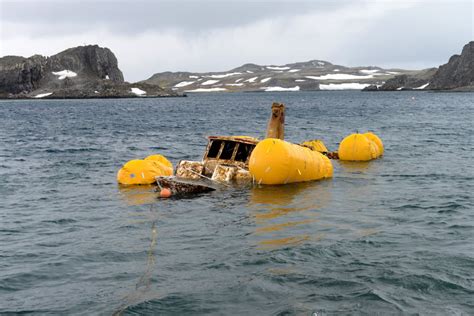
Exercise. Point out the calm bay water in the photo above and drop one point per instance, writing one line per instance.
(393, 236)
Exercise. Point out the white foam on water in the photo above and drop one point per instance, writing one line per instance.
(63, 74)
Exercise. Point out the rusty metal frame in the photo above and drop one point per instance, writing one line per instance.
(231, 161)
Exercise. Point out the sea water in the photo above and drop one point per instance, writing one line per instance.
(392, 236)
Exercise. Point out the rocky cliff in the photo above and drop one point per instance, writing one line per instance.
(456, 75)
(79, 72)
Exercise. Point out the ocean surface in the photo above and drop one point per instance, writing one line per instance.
(392, 236)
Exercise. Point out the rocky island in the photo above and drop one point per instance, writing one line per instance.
(456, 75)
(301, 76)
(80, 72)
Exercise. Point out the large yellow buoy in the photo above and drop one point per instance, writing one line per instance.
(376, 140)
(274, 161)
(316, 145)
(161, 159)
(357, 147)
(144, 171)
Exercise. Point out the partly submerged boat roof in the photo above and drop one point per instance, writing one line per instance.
(240, 139)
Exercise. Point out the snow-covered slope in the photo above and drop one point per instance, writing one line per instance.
(302, 76)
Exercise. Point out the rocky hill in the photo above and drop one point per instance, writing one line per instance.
(79, 72)
(311, 75)
(92, 72)
(456, 75)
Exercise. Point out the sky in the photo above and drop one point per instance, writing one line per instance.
(217, 35)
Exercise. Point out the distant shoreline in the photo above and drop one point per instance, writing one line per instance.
(236, 93)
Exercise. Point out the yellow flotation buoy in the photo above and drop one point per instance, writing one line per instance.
(161, 159)
(316, 145)
(144, 171)
(358, 147)
(274, 161)
(376, 140)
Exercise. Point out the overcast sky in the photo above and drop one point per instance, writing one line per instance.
(155, 36)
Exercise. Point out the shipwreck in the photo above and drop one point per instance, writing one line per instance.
(245, 159)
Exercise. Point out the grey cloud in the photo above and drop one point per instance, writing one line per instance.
(423, 36)
(151, 36)
(53, 17)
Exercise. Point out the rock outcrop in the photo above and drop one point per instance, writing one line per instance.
(458, 73)
(417, 80)
(79, 72)
(92, 60)
(19, 74)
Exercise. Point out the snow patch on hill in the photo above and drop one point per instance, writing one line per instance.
(63, 74)
(209, 82)
(138, 91)
(277, 68)
(343, 86)
(225, 75)
(272, 89)
(234, 84)
(422, 87)
(368, 71)
(251, 80)
(339, 77)
(207, 90)
(42, 95)
(183, 84)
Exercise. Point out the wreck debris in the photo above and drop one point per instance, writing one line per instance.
(242, 176)
(224, 173)
(179, 186)
(228, 150)
(189, 169)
